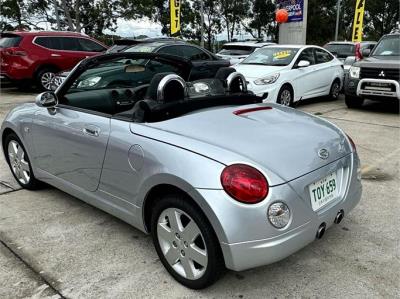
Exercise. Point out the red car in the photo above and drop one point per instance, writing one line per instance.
(40, 55)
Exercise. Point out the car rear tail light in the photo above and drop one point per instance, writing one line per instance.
(244, 183)
(14, 51)
(353, 145)
(358, 52)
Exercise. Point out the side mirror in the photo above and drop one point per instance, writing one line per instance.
(365, 52)
(47, 99)
(303, 63)
(334, 53)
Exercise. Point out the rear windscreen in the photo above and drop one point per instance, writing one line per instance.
(341, 50)
(236, 50)
(10, 41)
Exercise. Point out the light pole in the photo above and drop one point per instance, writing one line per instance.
(337, 20)
(202, 23)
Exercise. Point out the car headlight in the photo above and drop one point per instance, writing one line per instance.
(267, 80)
(89, 82)
(354, 72)
(279, 214)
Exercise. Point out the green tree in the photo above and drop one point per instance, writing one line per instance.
(23, 14)
(233, 12)
(321, 21)
(262, 17)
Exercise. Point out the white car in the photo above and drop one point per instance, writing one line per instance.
(286, 73)
(237, 51)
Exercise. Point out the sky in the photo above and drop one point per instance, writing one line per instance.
(132, 28)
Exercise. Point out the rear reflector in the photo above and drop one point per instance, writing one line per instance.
(244, 111)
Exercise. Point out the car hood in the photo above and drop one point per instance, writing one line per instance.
(257, 71)
(282, 142)
(389, 62)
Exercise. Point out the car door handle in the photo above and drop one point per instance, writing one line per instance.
(55, 55)
(91, 132)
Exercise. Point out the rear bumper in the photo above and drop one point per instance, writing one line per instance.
(14, 72)
(247, 238)
(246, 255)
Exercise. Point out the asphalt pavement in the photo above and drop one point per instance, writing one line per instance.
(53, 245)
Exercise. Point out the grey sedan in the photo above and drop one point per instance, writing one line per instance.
(218, 178)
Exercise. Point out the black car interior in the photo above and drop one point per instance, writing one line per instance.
(181, 99)
(151, 92)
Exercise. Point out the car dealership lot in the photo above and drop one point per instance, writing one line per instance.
(55, 245)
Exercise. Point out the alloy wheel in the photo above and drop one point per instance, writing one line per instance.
(182, 243)
(47, 79)
(19, 164)
(335, 90)
(286, 97)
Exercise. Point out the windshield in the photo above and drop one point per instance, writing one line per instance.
(144, 48)
(120, 73)
(10, 41)
(388, 46)
(236, 50)
(272, 56)
(341, 50)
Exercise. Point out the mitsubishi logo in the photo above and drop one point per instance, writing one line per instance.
(382, 74)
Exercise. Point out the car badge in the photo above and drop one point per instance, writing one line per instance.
(323, 153)
(382, 74)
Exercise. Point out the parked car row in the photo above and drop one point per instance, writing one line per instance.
(277, 73)
(284, 74)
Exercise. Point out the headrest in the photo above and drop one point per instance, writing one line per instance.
(166, 87)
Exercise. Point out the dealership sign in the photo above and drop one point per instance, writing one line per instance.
(294, 8)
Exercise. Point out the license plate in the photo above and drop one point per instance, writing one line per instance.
(323, 191)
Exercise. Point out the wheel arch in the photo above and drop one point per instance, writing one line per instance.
(336, 78)
(11, 130)
(6, 131)
(290, 85)
(43, 66)
(157, 190)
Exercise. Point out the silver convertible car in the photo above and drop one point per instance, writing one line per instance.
(218, 178)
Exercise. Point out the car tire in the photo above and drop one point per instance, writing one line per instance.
(353, 102)
(195, 260)
(335, 90)
(44, 78)
(19, 163)
(285, 96)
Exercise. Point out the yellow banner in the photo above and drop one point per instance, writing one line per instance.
(175, 8)
(358, 21)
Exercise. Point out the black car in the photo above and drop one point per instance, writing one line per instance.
(204, 63)
(121, 45)
(377, 77)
